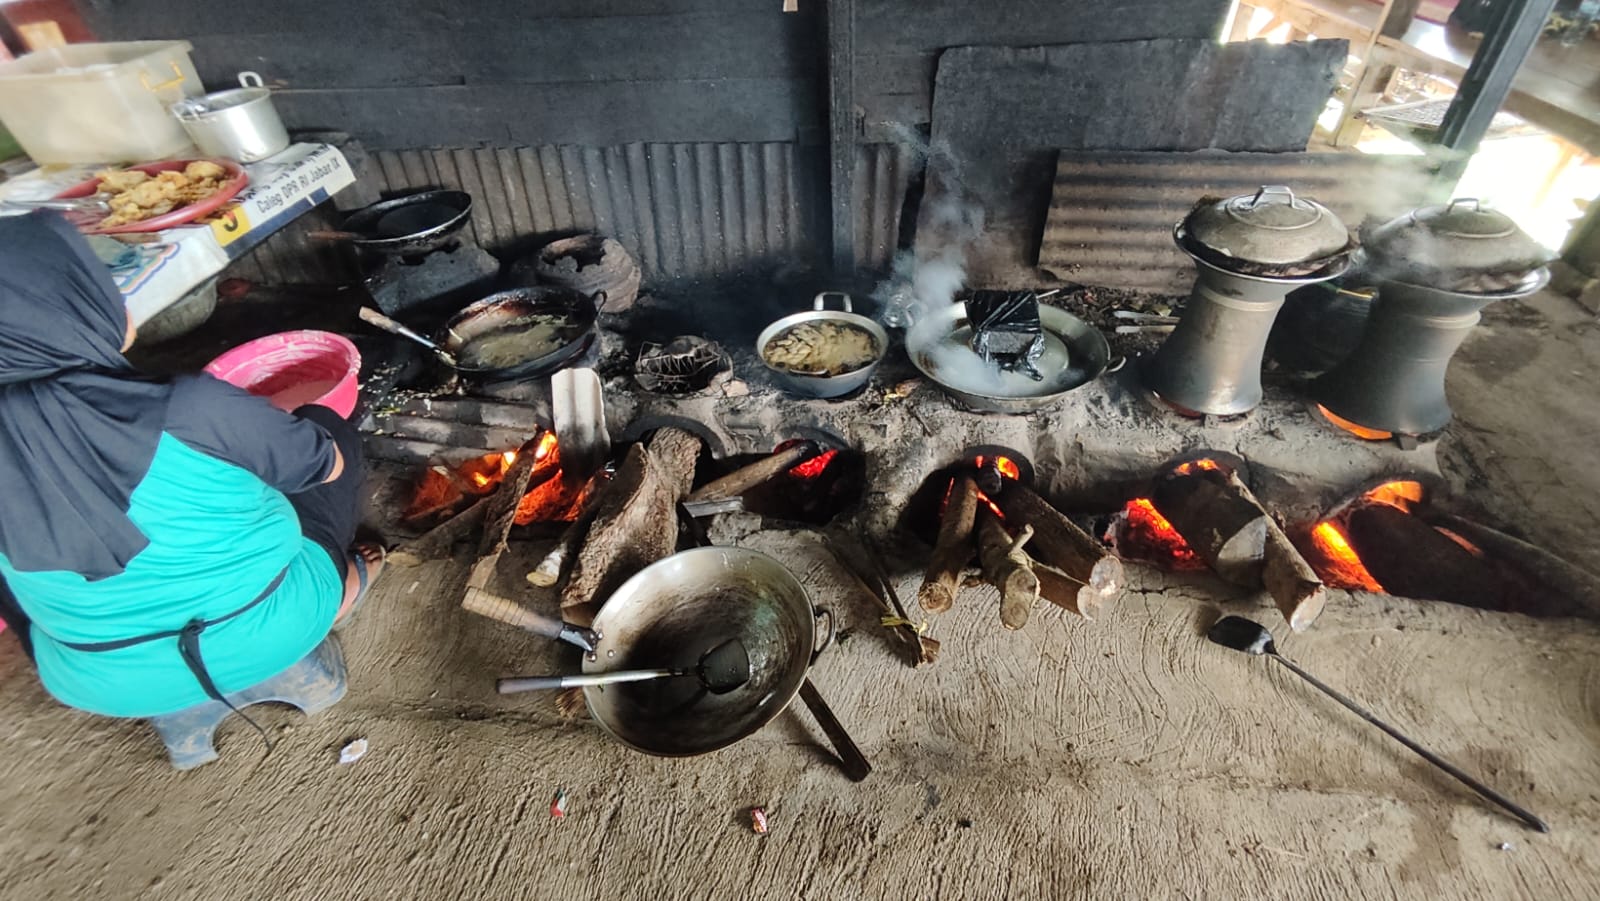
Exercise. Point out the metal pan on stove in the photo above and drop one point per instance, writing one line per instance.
(523, 333)
(939, 345)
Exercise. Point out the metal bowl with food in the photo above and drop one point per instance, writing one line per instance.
(669, 615)
(823, 352)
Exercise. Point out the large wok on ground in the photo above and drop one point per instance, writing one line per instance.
(668, 615)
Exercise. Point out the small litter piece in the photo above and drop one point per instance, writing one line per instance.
(558, 804)
(353, 751)
(1505, 846)
(758, 820)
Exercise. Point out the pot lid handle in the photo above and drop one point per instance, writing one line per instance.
(251, 80)
(1270, 191)
(1477, 205)
(1274, 208)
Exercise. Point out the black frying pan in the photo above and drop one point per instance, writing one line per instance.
(416, 223)
(492, 314)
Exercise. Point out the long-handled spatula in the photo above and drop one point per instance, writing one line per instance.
(1252, 638)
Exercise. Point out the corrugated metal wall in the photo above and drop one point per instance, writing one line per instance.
(683, 210)
(1111, 214)
(883, 172)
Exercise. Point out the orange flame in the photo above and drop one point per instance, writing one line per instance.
(993, 507)
(1007, 466)
(1156, 530)
(1360, 431)
(1403, 493)
(1343, 567)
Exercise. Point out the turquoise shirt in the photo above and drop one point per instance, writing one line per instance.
(218, 536)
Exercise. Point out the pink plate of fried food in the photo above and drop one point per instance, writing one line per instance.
(157, 196)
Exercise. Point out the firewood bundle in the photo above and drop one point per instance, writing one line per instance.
(1026, 548)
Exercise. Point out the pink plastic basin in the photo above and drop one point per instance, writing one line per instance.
(291, 369)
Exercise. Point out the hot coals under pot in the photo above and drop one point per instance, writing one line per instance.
(1251, 251)
(1437, 268)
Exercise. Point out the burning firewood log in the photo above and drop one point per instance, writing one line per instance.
(741, 480)
(436, 543)
(1223, 521)
(635, 522)
(1008, 567)
(953, 550)
(499, 516)
(1226, 530)
(1059, 542)
(1285, 573)
(549, 570)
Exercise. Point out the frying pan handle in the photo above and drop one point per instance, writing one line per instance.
(599, 299)
(821, 301)
(512, 614)
(827, 637)
(529, 683)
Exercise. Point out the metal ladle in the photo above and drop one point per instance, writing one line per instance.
(722, 668)
(374, 318)
(1252, 638)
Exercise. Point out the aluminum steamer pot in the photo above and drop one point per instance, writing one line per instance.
(668, 615)
(240, 124)
(824, 385)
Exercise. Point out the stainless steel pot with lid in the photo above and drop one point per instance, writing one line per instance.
(240, 123)
(1271, 227)
(1250, 252)
(1459, 246)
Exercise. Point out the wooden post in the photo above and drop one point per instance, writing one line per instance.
(842, 131)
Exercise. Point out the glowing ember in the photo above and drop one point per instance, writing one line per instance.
(815, 466)
(1360, 431)
(993, 507)
(1340, 565)
(546, 446)
(1154, 535)
(1007, 466)
(1204, 464)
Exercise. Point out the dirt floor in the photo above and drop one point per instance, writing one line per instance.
(1120, 758)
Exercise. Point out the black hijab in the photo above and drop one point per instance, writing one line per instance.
(78, 424)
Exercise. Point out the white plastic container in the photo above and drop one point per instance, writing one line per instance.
(93, 103)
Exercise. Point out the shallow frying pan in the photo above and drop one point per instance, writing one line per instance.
(465, 332)
(416, 223)
(496, 319)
